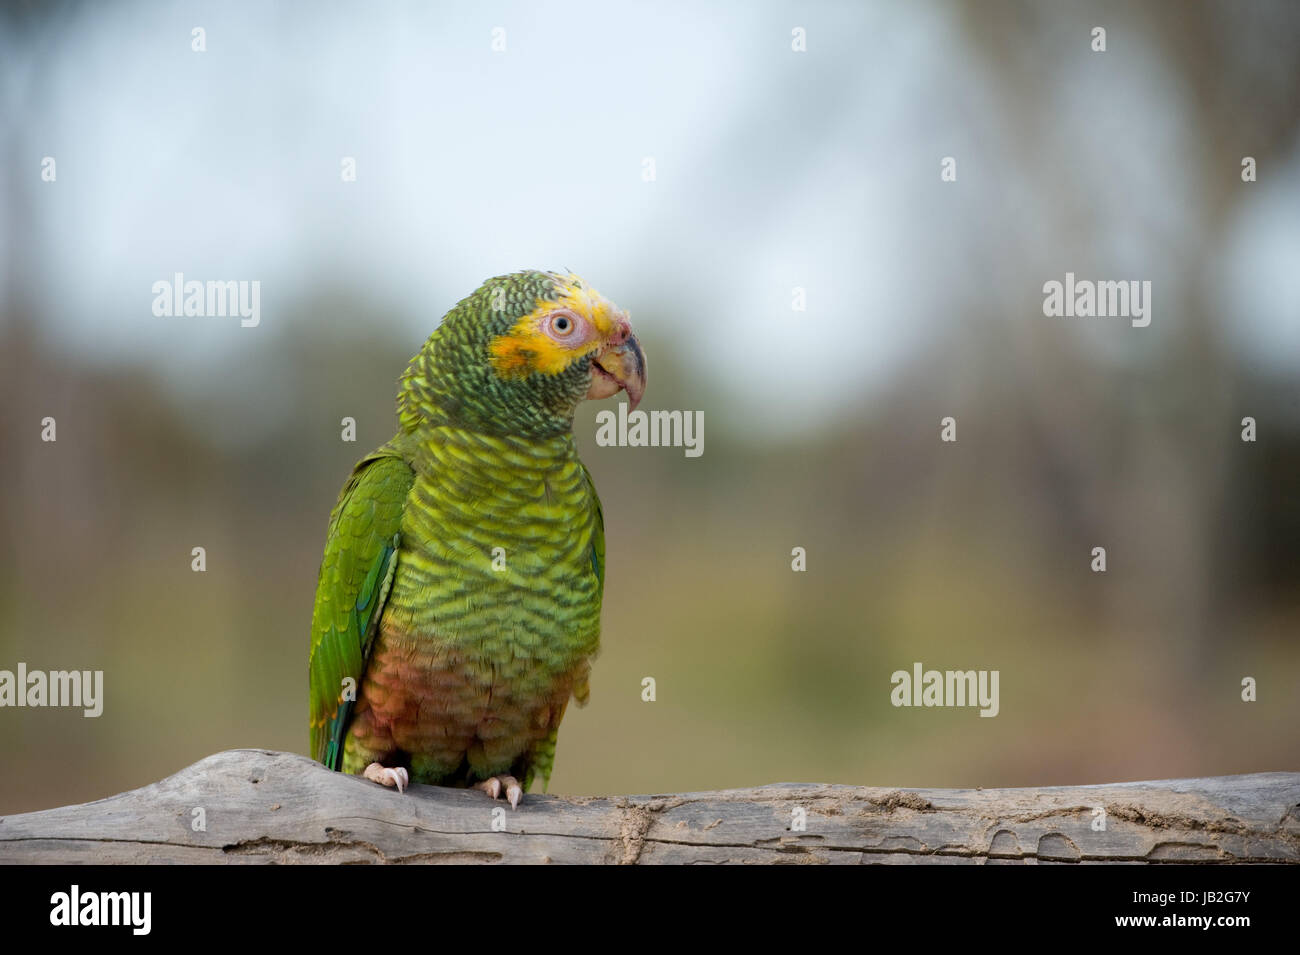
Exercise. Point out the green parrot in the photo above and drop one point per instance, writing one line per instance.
(458, 604)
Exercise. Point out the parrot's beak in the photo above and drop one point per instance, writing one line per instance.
(618, 368)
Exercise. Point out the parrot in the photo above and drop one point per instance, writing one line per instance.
(458, 600)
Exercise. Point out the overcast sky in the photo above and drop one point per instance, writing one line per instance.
(774, 169)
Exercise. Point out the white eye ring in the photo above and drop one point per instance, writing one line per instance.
(563, 324)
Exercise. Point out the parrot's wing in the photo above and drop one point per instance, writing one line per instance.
(355, 576)
(598, 533)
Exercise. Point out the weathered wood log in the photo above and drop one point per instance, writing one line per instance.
(256, 806)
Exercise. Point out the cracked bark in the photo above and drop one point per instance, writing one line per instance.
(267, 807)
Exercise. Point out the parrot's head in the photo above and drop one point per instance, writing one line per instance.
(520, 354)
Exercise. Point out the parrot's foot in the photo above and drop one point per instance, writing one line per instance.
(493, 787)
(388, 777)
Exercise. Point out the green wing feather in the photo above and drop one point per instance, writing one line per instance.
(355, 576)
(598, 534)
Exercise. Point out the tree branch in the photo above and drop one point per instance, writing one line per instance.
(257, 806)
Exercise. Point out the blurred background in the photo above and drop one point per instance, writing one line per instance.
(774, 170)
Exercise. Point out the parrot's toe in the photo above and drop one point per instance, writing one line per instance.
(386, 776)
(494, 786)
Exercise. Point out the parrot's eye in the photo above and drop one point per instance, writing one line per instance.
(562, 325)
